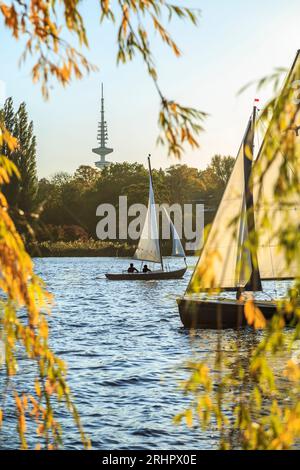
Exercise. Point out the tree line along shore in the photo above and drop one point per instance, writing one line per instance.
(56, 216)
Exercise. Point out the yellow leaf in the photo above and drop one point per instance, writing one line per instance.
(44, 329)
(37, 388)
(254, 316)
(189, 418)
(292, 371)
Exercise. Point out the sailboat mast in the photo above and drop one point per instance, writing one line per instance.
(150, 175)
(255, 279)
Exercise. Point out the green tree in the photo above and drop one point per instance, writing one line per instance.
(216, 175)
(8, 119)
(69, 200)
(221, 168)
(86, 175)
(184, 184)
(25, 159)
(8, 113)
(21, 191)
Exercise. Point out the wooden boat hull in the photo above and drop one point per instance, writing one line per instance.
(151, 276)
(218, 314)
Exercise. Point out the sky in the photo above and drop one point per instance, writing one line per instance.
(236, 42)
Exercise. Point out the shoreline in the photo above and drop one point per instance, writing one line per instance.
(83, 249)
(54, 251)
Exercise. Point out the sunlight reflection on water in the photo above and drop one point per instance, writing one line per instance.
(126, 350)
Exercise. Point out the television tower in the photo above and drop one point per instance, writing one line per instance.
(102, 138)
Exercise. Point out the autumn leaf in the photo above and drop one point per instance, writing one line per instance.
(189, 418)
(254, 315)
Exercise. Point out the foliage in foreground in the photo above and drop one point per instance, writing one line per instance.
(21, 192)
(43, 25)
(25, 337)
(250, 391)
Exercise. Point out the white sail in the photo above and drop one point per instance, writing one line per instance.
(149, 247)
(284, 213)
(217, 265)
(177, 248)
(225, 261)
(271, 217)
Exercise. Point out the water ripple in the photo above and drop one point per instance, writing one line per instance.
(126, 349)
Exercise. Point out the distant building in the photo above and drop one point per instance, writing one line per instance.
(102, 138)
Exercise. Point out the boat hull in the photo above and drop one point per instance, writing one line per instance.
(151, 276)
(218, 314)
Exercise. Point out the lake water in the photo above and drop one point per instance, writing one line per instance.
(126, 350)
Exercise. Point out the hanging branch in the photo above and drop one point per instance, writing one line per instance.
(37, 21)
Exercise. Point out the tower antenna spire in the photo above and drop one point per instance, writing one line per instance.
(102, 137)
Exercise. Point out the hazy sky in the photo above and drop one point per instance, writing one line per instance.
(236, 41)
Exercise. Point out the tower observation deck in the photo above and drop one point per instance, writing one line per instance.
(102, 137)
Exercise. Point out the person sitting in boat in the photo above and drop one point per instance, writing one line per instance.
(132, 269)
(146, 269)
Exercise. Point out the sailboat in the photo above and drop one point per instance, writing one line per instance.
(149, 247)
(226, 263)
